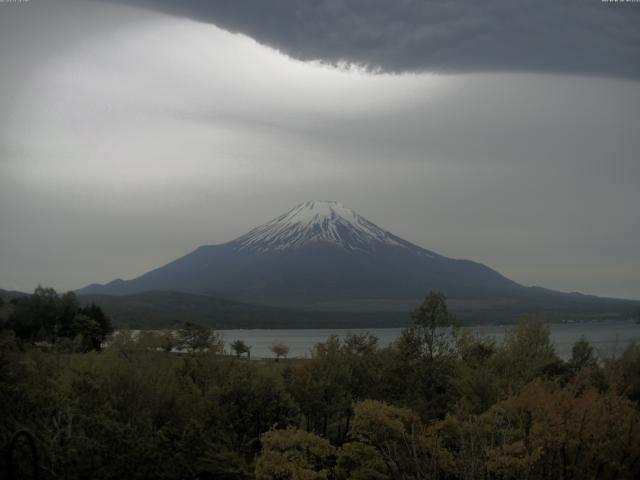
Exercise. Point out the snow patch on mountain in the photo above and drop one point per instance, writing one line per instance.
(318, 221)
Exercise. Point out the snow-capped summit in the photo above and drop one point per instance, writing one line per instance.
(318, 221)
(322, 255)
(318, 251)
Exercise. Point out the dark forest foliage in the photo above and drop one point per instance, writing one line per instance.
(57, 320)
(440, 403)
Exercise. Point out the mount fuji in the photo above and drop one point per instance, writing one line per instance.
(320, 251)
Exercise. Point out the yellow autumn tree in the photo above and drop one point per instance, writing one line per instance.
(387, 441)
(294, 454)
(545, 431)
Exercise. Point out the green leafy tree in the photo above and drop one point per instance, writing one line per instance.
(362, 344)
(87, 331)
(526, 352)
(47, 316)
(429, 336)
(240, 348)
(323, 387)
(425, 364)
(67, 309)
(396, 436)
(474, 377)
(475, 351)
(253, 399)
(623, 372)
(34, 317)
(294, 455)
(359, 461)
(96, 313)
(153, 340)
(196, 338)
(582, 355)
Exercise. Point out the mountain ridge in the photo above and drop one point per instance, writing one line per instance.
(321, 252)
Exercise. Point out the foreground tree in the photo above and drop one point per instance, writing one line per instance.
(475, 378)
(623, 371)
(427, 355)
(386, 442)
(294, 454)
(527, 352)
(430, 334)
(543, 432)
(359, 461)
(88, 333)
(324, 388)
(105, 327)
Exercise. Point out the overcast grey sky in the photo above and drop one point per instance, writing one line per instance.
(507, 135)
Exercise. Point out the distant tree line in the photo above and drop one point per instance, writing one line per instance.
(439, 403)
(46, 316)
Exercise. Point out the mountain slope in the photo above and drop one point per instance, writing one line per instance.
(7, 295)
(171, 309)
(318, 251)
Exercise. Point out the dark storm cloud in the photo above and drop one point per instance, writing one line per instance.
(582, 37)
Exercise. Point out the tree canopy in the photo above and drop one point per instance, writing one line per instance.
(46, 316)
(441, 402)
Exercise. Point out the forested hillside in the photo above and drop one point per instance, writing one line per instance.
(439, 403)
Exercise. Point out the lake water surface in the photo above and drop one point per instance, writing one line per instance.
(607, 337)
